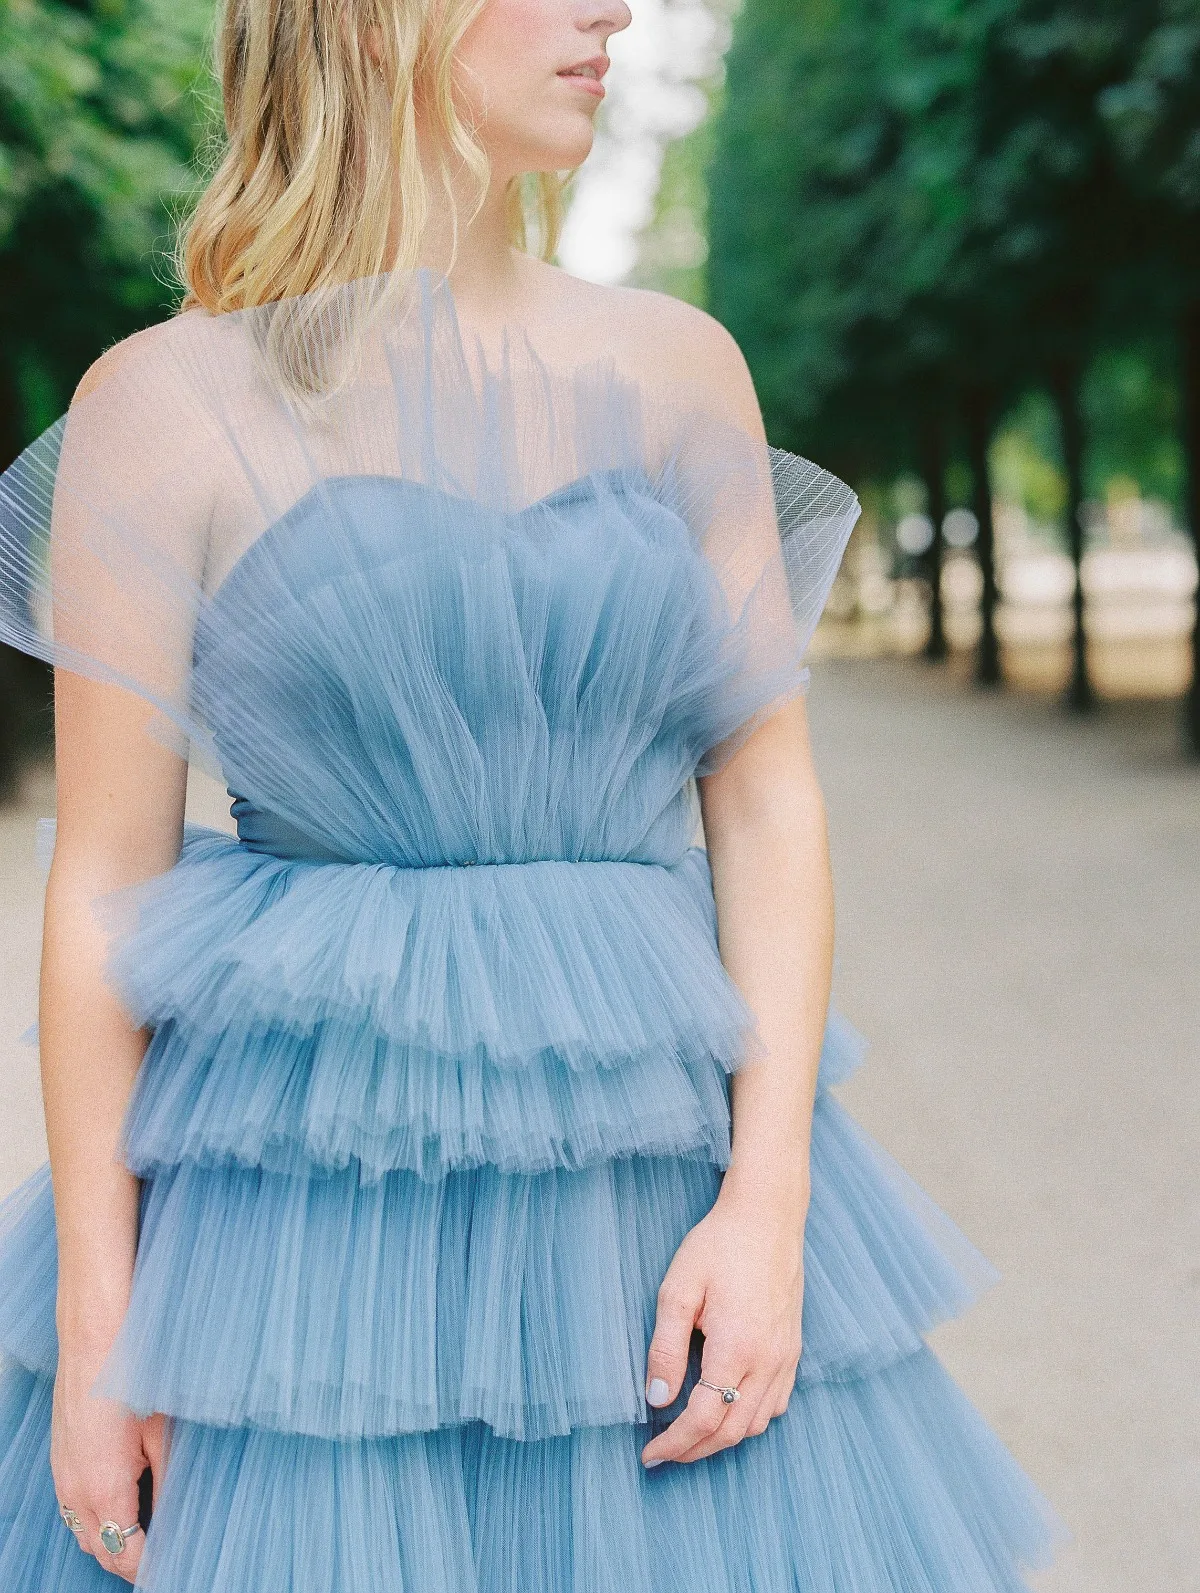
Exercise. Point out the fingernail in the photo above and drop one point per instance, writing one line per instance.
(659, 1391)
(650, 1464)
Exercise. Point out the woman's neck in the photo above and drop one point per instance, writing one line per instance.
(486, 279)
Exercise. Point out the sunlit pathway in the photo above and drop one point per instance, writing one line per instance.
(1019, 936)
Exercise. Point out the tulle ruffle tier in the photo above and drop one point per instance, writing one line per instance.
(341, 1308)
(317, 1016)
(586, 962)
(875, 1485)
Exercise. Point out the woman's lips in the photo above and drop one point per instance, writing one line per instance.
(587, 74)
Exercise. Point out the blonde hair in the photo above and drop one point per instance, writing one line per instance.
(320, 182)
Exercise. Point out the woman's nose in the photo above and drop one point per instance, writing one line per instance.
(608, 16)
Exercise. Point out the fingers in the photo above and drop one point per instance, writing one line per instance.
(699, 1421)
(784, 1388)
(120, 1507)
(114, 1501)
(736, 1418)
(666, 1361)
(155, 1436)
(708, 1424)
(773, 1403)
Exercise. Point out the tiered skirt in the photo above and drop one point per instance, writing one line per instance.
(417, 1147)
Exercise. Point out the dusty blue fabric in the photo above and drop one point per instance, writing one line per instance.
(439, 1081)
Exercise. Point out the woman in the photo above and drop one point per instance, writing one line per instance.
(399, 1236)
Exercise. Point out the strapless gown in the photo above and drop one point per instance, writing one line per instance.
(438, 1081)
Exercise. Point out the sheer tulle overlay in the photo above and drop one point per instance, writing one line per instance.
(441, 1041)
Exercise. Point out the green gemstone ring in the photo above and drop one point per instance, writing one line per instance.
(114, 1538)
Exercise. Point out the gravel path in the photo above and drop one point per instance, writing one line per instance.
(1019, 936)
(22, 1137)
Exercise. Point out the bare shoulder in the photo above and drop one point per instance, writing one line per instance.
(124, 357)
(668, 335)
(662, 342)
(137, 422)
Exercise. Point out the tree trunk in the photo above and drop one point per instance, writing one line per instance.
(1190, 351)
(1080, 697)
(979, 435)
(933, 469)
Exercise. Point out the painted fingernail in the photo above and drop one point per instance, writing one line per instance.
(659, 1391)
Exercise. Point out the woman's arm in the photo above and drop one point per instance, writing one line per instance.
(120, 799)
(120, 810)
(738, 1276)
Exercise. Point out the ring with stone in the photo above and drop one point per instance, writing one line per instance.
(70, 1519)
(726, 1391)
(114, 1538)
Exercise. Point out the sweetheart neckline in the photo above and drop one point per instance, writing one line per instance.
(568, 490)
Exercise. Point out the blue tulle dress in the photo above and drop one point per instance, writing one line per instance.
(440, 1040)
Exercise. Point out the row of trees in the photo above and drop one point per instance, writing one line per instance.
(104, 106)
(921, 209)
(918, 209)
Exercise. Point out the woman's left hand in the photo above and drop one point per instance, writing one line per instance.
(738, 1276)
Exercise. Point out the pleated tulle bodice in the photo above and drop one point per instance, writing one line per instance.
(464, 686)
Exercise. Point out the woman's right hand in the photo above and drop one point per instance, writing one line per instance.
(98, 1451)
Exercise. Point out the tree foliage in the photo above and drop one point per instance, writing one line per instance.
(922, 209)
(840, 212)
(103, 105)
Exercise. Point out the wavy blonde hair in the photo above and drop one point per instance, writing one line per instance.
(320, 182)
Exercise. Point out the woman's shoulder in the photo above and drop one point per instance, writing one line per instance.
(662, 342)
(126, 357)
(135, 417)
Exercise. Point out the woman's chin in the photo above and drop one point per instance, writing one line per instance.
(563, 150)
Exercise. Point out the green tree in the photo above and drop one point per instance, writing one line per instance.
(916, 217)
(1057, 219)
(846, 244)
(1154, 115)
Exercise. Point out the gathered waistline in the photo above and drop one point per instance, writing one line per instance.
(528, 862)
(337, 861)
(268, 835)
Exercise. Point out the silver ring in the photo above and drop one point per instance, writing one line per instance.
(727, 1393)
(114, 1537)
(70, 1519)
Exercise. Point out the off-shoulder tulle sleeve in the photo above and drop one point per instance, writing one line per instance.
(104, 524)
(233, 491)
(772, 527)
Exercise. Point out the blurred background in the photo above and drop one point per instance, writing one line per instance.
(959, 243)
